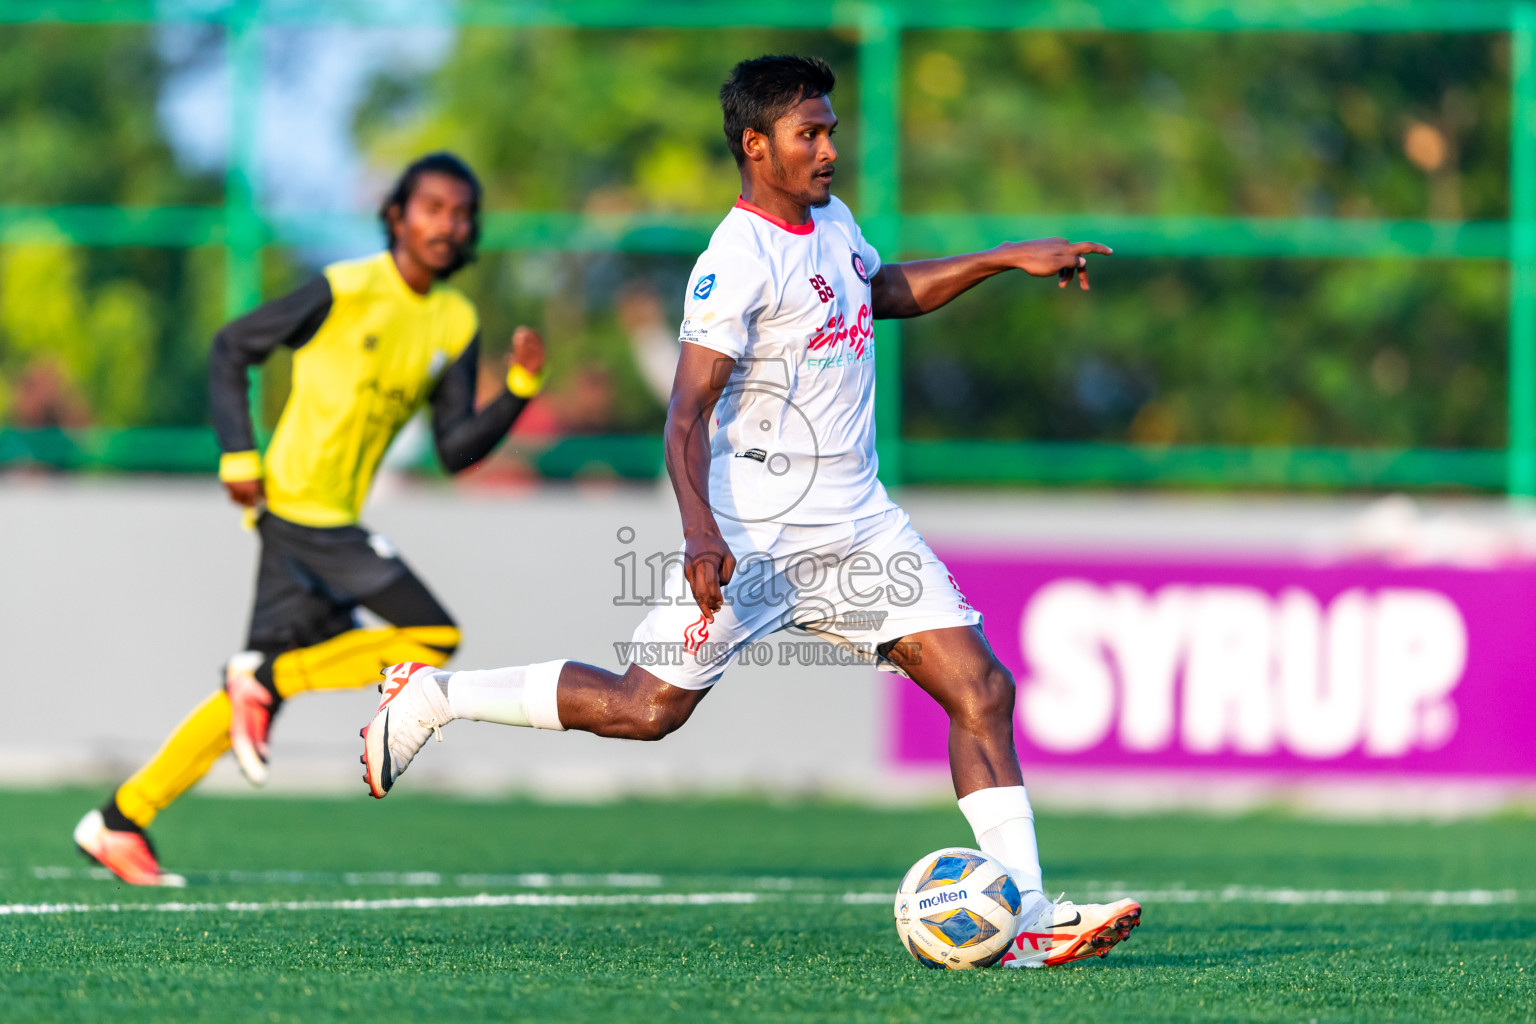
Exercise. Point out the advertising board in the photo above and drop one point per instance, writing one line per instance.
(1345, 667)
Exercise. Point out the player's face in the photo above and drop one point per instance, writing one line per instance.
(801, 155)
(437, 221)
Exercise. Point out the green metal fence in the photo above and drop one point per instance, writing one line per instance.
(241, 228)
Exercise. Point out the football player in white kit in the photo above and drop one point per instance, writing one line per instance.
(770, 445)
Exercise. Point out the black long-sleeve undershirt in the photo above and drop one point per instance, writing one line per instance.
(463, 435)
(246, 342)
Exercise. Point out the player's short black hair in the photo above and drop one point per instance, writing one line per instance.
(762, 90)
(441, 162)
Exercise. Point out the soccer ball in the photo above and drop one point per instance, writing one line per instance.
(956, 909)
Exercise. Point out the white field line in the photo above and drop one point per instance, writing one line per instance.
(1176, 892)
(428, 879)
(1231, 894)
(524, 899)
(1351, 897)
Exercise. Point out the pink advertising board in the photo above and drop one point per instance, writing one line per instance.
(1291, 667)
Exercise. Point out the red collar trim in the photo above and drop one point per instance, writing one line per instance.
(794, 229)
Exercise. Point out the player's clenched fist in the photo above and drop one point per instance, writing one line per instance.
(709, 565)
(249, 493)
(525, 363)
(528, 350)
(1046, 256)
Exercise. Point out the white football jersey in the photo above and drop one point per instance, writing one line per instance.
(793, 436)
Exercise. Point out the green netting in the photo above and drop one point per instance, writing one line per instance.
(242, 229)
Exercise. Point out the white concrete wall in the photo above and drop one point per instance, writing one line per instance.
(120, 600)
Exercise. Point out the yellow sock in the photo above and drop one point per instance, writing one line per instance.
(356, 657)
(350, 660)
(184, 758)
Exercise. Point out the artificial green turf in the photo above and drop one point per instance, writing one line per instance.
(779, 960)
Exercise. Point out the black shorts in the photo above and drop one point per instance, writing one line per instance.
(311, 581)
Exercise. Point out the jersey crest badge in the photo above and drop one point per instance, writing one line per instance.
(858, 268)
(704, 287)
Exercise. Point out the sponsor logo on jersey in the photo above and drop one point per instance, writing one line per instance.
(964, 605)
(704, 287)
(837, 329)
(756, 454)
(696, 327)
(695, 635)
(938, 899)
(858, 268)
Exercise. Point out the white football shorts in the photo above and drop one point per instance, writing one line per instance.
(859, 584)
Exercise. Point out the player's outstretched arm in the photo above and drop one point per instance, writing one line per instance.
(464, 435)
(910, 289)
(707, 560)
(241, 344)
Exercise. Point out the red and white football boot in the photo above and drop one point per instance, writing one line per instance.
(250, 715)
(408, 713)
(1066, 931)
(127, 854)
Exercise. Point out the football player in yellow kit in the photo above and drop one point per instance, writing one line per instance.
(372, 340)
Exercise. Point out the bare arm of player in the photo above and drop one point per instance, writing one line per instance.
(707, 560)
(902, 290)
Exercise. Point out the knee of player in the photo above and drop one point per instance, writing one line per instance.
(658, 721)
(991, 696)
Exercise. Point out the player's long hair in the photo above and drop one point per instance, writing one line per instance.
(400, 195)
(762, 90)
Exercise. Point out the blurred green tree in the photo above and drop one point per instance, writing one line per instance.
(1203, 350)
(592, 121)
(1196, 351)
(1235, 351)
(116, 337)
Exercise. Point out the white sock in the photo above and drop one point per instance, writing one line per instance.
(521, 695)
(1004, 825)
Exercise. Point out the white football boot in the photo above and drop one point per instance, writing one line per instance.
(413, 708)
(1065, 931)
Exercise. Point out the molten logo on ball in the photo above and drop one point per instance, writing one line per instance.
(937, 899)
